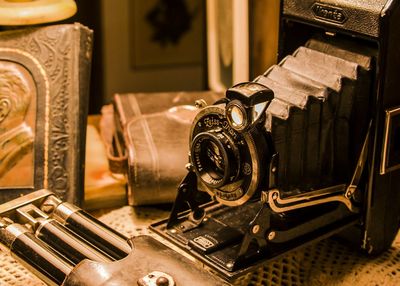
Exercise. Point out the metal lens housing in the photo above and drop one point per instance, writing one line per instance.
(237, 115)
(216, 158)
(229, 164)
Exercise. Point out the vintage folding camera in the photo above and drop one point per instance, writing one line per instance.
(307, 150)
(322, 160)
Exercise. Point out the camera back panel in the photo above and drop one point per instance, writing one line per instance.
(365, 32)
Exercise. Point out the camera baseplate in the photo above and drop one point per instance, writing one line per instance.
(234, 240)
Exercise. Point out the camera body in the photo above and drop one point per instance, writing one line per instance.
(305, 151)
(369, 32)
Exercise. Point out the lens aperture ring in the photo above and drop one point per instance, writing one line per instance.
(215, 158)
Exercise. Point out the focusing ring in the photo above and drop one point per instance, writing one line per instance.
(215, 158)
(253, 152)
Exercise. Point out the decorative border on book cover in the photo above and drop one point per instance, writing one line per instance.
(58, 60)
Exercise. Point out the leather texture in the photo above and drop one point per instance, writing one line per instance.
(148, 255)
(155, 130)
(358, 16)
(56, 59)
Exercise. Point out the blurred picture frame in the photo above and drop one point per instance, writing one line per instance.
(166, 33)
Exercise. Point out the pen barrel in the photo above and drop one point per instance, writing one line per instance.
(34, 254)
(67, 243)
(97, 233)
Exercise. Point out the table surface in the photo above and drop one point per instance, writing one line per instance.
(328, 262)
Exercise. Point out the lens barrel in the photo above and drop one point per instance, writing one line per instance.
(229, 164)
(216, 158)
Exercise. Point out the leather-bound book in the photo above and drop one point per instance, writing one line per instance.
(44, 81)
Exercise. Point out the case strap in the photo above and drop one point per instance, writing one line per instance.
(113, 141)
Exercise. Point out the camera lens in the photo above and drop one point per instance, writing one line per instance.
(229, 163)
(213, 160)
(216, 158)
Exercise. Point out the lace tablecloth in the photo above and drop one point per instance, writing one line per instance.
(325, 263)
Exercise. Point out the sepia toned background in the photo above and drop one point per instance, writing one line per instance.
(128, 56)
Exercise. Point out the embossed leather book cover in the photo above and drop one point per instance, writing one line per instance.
(44, 81)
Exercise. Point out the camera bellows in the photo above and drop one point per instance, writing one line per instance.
(318, 113)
